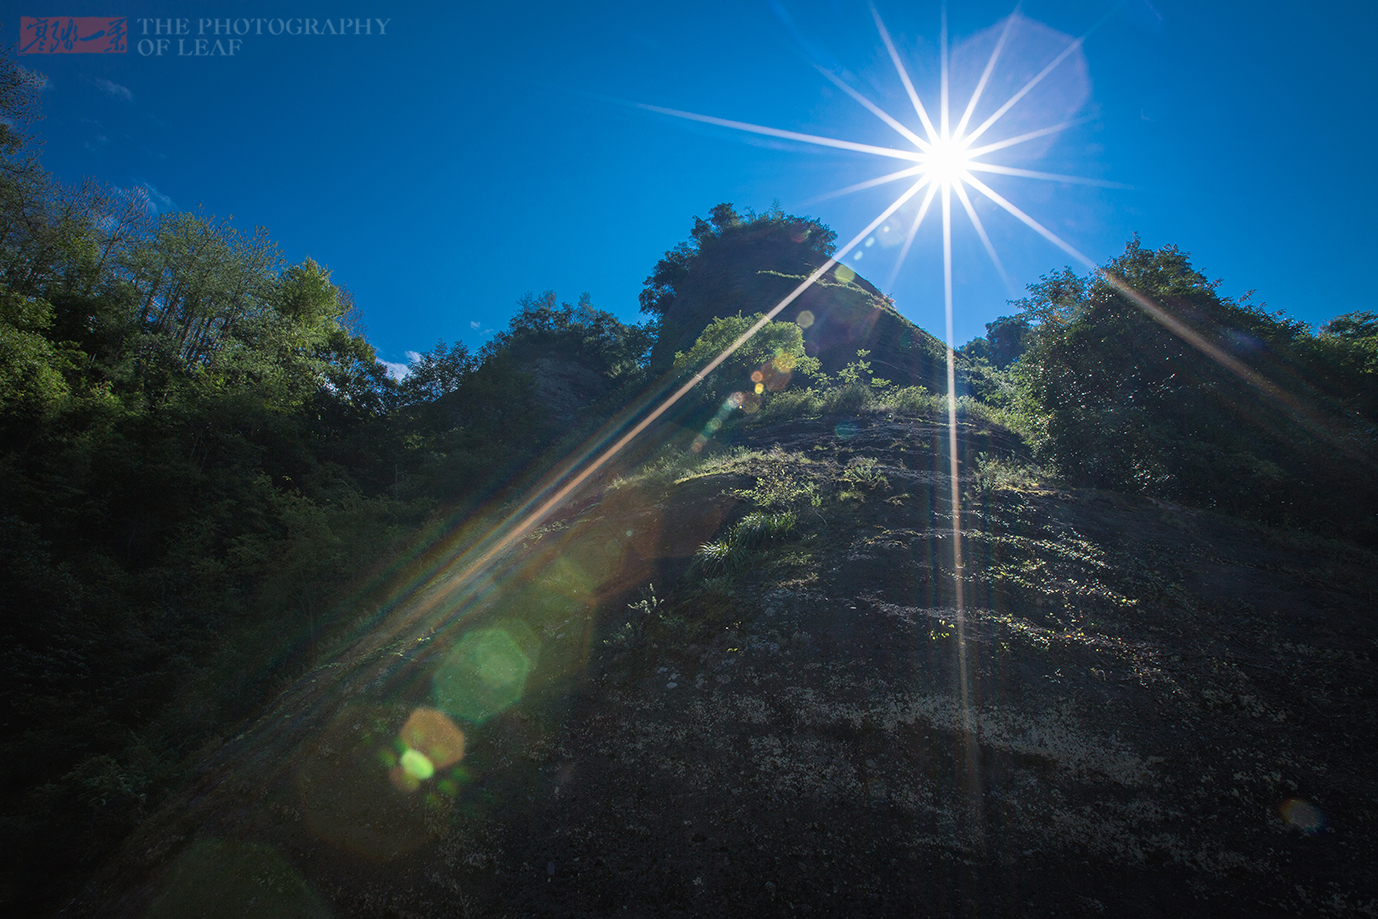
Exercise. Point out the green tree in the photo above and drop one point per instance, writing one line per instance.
(1005, 341)
(19, 93)
(1166, 400)
(1343, 358)
(436, 373)
(766, 362)
(709, 275)
(593, 337)
(32, 368)
(198, 281)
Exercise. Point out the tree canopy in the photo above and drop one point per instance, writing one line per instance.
(1227, 405)
(725, 231)
(766, 362)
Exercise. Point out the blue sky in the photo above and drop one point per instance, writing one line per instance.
(475, 152)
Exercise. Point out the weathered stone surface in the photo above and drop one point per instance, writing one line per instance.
(1117, 721)
(566, 388)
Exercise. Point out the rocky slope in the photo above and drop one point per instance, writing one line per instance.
(753, 266)
(1138, 710)
(840, 318)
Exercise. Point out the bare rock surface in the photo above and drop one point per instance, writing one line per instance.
(1138, 709)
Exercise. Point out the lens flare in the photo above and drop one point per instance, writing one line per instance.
(430, 741)
(484, 674)
(222, 877)
(1302, 815)
(417, 765)
(345, 798)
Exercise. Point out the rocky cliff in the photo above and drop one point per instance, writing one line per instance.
(751, 266)
(1136, 709)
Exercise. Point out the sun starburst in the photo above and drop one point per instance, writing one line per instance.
(945, 156)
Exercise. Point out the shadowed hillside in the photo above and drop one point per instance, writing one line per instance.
(1141, 710)
(730, 673)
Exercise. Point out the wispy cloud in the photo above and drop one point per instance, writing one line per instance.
(158, 203)
(113, 89)
(474, 326)
(399, 371)
(395, 370)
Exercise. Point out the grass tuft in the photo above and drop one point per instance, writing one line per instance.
(754, 531)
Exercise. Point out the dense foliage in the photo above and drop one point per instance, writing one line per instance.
(714, 272)
(1185, 394)
(199, 456)
(595, 338)
(766, 362)
(726, 231)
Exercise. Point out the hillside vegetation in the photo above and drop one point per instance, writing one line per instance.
(239, 559)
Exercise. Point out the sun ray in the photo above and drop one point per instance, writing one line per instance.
(909, 237)
(942, 85)
(1022, 138)
(947, 281)
(969, 743)
(985, 76)
(869, 183)
(1024, 91)
(1047, 176)
(904, 76)
(876, 110)
(787, 135)
(981, 232)
(1028, 221)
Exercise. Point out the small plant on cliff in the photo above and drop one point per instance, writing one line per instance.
(646, 611)
(782, 488)
(860, 477)
(861, 472)
(757, 530)
(754, 531)
(991, 474)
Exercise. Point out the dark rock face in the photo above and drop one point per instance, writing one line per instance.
(846, 313)
(851, 316)
(1139, 710)
(565, 388)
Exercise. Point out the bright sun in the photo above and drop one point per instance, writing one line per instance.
(943, 157)
(946, 162)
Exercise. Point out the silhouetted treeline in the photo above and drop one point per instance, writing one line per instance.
(1184, 394)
